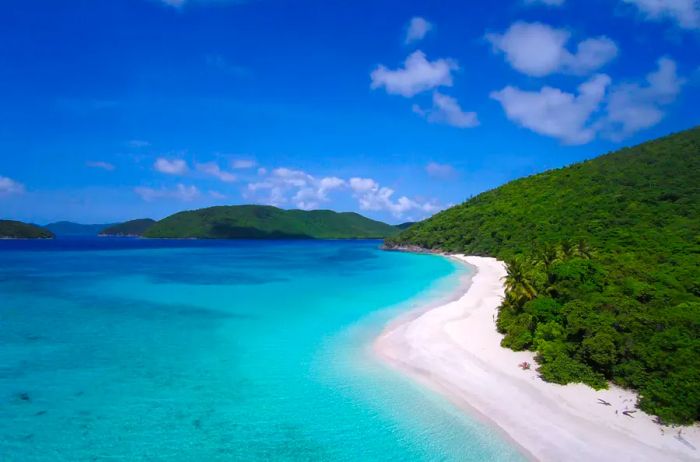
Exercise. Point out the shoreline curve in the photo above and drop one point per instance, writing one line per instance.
(454, 349)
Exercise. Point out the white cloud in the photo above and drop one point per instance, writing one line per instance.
(372, 196)
(537, 49)
(297, 187)
(170, 166)
(417, 29)
(446, 110)
(100, 164)
(417, 75)
(217, 194)
(685, 12)
(213, 169)
(555, 113)
(633, 107)
(180, 192)
(599, 109)
(243, 163)
(441, 171)
(138, 143)
(8, 186)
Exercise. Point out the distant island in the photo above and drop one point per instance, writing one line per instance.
(602, 269)
(10, 229)
(69, 228)
(267, 222)
(131, 228)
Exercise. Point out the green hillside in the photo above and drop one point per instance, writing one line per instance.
(604, 268)
(67, 228)
(129, 228)
(266, 222)
(10, 229)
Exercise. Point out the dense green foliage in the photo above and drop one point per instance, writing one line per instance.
(129, 228)
(266, 222)
(10, 229)
(604, 268)
(406, 225)
(67, 228)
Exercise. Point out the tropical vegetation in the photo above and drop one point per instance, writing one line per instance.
(10, 229)
(128, 228)
(603, 269)
(267, 222)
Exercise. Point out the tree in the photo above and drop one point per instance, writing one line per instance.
(518, 282)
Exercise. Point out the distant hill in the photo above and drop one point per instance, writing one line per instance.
(128, 228)
(10, 229)
(68, 228)
(406, 225)
(604, 268)
(267, 222)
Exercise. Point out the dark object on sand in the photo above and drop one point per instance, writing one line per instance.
(524, 365)
(603, 402)
(629, 413)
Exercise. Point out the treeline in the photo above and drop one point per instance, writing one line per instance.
(589, 323)
(604, 268)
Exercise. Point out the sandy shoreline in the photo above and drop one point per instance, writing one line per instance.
(455, 349)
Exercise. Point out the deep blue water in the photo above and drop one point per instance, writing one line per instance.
(128, 349)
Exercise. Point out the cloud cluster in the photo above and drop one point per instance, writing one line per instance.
(213, 169)
(417, 29)
(9, 187)
(538, 50)
(241, 164)
(684, 12)
(372, 196)
(418, 75)
(446, 110)
(633, 107)
(181, 192)
(440, 171)
(555, 113)
(598, 108)
(284, 186)
(170, 166)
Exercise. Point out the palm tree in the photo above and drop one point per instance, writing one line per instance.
(583, 249)
(567, 248)
(548, 256)
(518, 283)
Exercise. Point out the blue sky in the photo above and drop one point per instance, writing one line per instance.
(114, 110)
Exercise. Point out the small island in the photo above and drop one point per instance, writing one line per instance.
(10, 229)
(268, 222)
(131, 228)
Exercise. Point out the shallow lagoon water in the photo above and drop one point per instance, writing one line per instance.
(128, 349)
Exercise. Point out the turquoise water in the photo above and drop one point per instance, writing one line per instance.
(185, 350)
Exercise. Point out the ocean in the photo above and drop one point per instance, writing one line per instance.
(184, 350)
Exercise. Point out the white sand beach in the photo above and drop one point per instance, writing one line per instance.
(455, 349)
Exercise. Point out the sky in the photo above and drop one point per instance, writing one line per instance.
(122, 109)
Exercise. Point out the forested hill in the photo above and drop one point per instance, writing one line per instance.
(10, 229)
(129, 228)
(267, 222)
(604, 268)
(67, 228)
